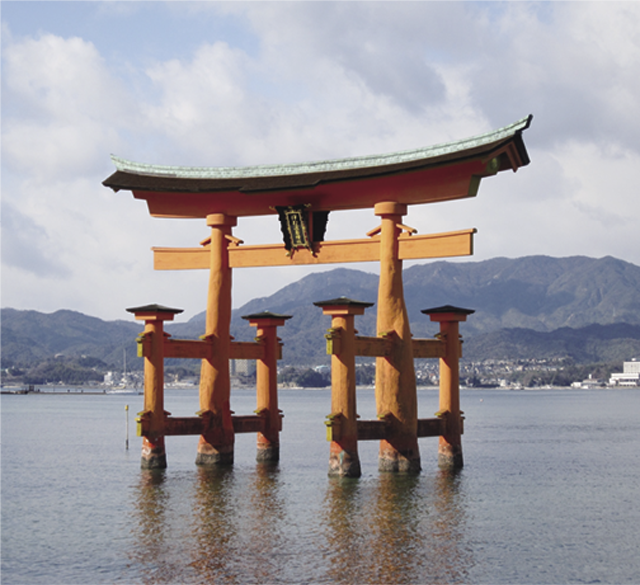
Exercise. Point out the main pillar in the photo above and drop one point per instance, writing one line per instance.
(216, 442)
(267, 383)
(450, 443)
(396, 396)
(152, 417)
(343, 423)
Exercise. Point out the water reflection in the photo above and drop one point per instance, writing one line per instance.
(266, 525)
(452, 556)
(222, 525)
(215, 527)
(238, 526)
(401, 529)
(151, 529)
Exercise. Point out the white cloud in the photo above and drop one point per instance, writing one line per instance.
(312, 81)
(22, 245)
(65, 107)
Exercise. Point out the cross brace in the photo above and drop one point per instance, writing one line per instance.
(411, 247)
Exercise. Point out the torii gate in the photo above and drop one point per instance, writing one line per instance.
(302, 195)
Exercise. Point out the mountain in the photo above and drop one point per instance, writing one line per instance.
(535, 304)
(591, 344)
(538, 293)
(30, 336)
(535, 292)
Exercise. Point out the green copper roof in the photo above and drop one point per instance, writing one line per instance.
(335, 165)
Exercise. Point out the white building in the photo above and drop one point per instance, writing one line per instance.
(630, 375)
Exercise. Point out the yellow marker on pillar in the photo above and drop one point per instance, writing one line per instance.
(450, 444)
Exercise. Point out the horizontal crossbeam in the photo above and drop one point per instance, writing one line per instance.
(372, 430)
(366, 250)
(383, 346)
(431, 427)
(201, 349)
(429, 348)
(373, 346)
(194, 425)
(377, 430)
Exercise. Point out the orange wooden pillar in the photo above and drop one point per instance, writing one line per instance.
(450, 444)
(396, 396)
(342, 426)
(267, 383)
(216, 442)
(152, 417)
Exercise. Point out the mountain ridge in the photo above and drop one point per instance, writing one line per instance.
(538, 294)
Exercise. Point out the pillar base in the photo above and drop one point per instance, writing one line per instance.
(450, 456)
(344, 464)
(268, 453)
(393, 460)
(153, 454)
(213, 457)
(155, 461)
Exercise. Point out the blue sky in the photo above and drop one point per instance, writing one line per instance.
(239, 83)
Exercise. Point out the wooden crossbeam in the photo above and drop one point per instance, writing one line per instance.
(186, 348)
(376, 430)
(183, 425)
(383, 346)
(248, 350)
(194, 425)
(415, 247)
(249, 424)
(373, 346)
(368, 430)
(372, 430)
(429, 348)
(431, 427)
(201, 349)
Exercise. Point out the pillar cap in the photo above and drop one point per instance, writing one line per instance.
(390, 208)
(343, 301)
(448, 313)
(154, 310)
(265, 315)
(342, 306)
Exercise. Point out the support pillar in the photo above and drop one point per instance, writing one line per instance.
(152, 417)
(215, 446)
(343, 420)
(450, 443)
(267, 383)
(396, 396)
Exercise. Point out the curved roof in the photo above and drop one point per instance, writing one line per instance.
(177, 191)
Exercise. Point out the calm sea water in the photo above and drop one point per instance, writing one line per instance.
(550, 493)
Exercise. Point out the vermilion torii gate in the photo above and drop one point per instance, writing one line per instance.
(303, 195)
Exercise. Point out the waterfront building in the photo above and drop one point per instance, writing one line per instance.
(630, 375)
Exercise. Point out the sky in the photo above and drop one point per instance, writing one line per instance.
(246, 83)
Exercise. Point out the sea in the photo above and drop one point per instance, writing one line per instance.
(549, 494)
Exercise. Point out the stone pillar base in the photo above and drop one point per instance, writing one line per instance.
(215, 457)
(153, 454)
(155, 461)
(449, 456)
(393, 460)
(268, 453)
(344, 464)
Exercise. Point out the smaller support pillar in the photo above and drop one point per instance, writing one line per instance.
(267, 383)
(152, 418)
(450, 443)
(342, 426)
